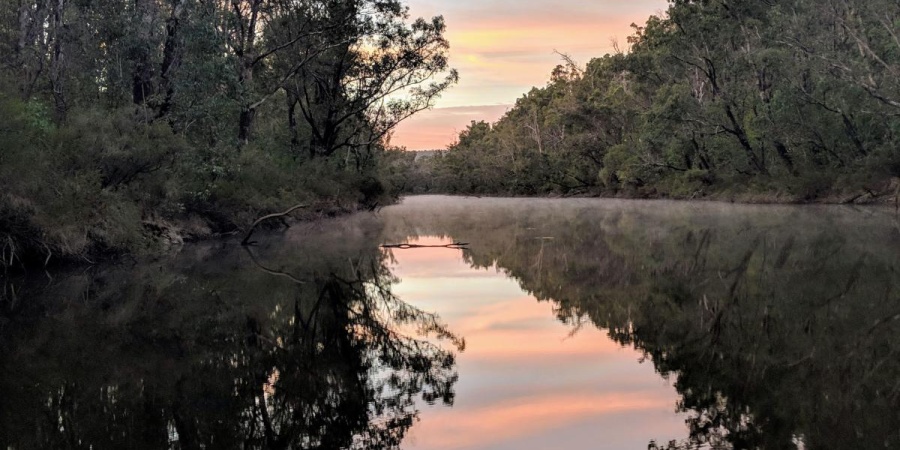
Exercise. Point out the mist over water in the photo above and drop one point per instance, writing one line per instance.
(566, 323)
(777, 324)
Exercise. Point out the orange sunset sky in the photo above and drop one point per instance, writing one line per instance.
(504, 47)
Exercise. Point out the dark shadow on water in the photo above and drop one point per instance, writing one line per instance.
(207, 350)
(779, 325)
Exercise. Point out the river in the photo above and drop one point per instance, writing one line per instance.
(562, 323)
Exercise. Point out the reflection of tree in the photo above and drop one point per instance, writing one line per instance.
(191, 355)
(779, 325)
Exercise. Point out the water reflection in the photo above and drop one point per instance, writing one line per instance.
(208, 350)
(781, 325)
(525, 382)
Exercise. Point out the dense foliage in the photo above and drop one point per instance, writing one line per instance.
(126, 123)
(792, 100)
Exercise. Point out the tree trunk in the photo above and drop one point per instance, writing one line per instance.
(30, 24)
(245, 124)
(57, 61)
(24, 27)
(323, 142)
(741, 136)
(292, 122)
(248, 112)
(142, 76)
(785, 156)
(247, 59)
(171, 58)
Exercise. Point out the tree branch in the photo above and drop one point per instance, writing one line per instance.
(246, 240)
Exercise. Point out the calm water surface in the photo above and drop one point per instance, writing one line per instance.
(578, 324)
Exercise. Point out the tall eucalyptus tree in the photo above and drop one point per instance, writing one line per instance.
(376, 70)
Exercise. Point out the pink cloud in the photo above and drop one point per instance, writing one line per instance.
(503, 48)
(435, 129)
(522, 417)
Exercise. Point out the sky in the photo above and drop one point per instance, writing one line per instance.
(502, 48)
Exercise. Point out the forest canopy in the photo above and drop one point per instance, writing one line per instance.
(794, 100)
(130, 123)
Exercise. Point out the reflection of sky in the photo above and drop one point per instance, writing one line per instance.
(525, 383)
(502, 48)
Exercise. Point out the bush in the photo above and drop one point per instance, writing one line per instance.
(84, 187)
(112, 182)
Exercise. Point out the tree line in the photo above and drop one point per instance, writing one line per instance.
(131, 122)
(793, 100)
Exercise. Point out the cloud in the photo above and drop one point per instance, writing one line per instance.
(435, 129)
(502, 48)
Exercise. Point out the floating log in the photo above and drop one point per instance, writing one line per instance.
(455, 245)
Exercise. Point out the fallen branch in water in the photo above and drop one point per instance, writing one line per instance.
(262, 219)
(265, 269)
(455, 245)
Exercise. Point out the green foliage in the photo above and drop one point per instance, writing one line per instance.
(127, 125)
(794, 99)
(85, 186)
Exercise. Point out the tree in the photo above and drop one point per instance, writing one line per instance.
(796, 98)
(257, 31)
(377, 71)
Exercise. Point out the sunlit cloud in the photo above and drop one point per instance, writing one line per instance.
(502, 48)
(435, 129)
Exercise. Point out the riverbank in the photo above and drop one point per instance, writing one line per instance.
(108, 183)
(885, 193)
(33, 246)
(25, 245)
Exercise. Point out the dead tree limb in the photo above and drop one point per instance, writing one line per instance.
(262, 219)
(265, 269)
(455, 245)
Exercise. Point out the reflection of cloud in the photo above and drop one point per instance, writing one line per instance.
(431, 262)
(529, 416)
(499, 329)
(524, 381)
